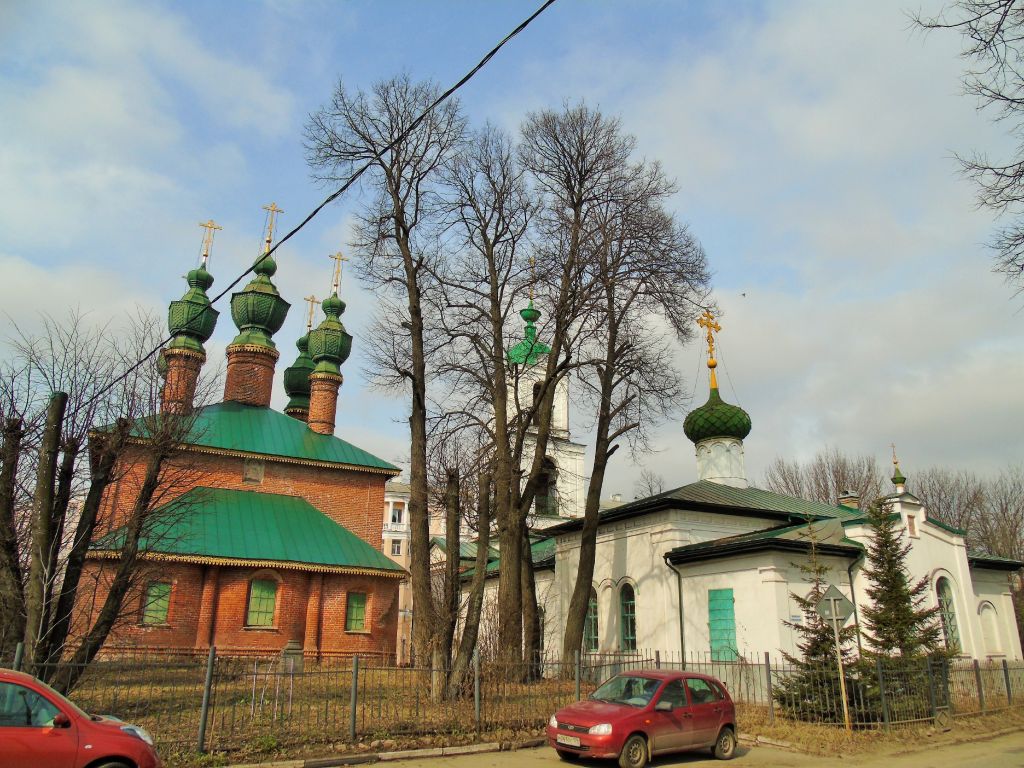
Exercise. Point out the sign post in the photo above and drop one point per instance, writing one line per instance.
(835, 607)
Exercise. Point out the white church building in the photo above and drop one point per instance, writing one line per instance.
(708, 568)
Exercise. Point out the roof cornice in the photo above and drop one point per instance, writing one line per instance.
(247, 563)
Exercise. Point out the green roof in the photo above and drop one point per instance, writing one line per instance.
(467, 549)
(542, 553)
(996, 562)
(723, 499)
(231, 426)
(529, 351)
(792, 538)
(248, 525)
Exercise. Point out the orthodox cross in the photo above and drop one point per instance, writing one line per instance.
(312, 306)
(338, 259)
(707, 321)
(272, 211)
(210, 227)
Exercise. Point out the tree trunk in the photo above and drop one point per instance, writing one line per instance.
(451, 567)
(42, 526)
(474, 607)
(531, 616)
(12, 597)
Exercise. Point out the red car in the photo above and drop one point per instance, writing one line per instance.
(637, 715)
(39, 728)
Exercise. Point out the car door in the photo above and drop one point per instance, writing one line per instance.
(672, 729)
(706, 706)
(27, 734)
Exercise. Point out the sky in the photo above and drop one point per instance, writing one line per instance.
(812, 143)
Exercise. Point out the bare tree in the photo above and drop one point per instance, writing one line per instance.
(993, 46)
(649, 484)
(825, 477)
(956, 498)
(395, 249)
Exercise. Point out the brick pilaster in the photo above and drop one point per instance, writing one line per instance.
(311, 644)
(250, 375)
(323, 401)
(207, 617)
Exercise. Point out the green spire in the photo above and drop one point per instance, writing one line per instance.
(296, 377)
(716, 418)
(191, 319)
(528, 351)
(329, 344)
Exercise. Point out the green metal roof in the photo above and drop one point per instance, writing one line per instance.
(983, 560)
(542, 553)
(787, 537)
(249, 525)
(467, 549)
(232, 426)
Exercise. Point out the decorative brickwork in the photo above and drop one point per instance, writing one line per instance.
(323, 401)
(250, 374)
(183, 366)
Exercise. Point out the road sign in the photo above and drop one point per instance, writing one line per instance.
(834, 605)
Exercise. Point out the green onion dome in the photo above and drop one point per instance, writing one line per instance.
(716, 418)
(528, 351)
(329, 344)
(258, 309)
(191, 319)
(897, 477)
(296, 377)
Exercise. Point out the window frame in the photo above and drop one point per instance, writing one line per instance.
(147, 603)
(261, 610)
(349, 614)
(396, 543)
(947, 614)
(627, 618)
(591, 625)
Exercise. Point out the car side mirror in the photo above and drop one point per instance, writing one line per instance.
(663, 706)
(60, 720)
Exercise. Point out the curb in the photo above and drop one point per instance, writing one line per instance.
(404, 754)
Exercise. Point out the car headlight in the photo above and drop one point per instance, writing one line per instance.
(603, 729)
(139, 733)
(553, 722)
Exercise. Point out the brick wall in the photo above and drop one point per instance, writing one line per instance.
(250, 374)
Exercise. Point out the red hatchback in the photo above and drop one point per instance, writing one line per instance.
(637, 715)
(39, 728)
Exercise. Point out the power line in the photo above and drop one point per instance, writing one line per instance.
(339, 191)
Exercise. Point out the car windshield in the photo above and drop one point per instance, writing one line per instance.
(60, 699)
(631, 690)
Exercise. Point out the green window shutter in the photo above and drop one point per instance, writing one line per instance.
(627, 617)
(355, 612)
(157, 603)
(590, 624)
(262, 598)
(722, 625)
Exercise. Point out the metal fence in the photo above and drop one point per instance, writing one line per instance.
(199, 702)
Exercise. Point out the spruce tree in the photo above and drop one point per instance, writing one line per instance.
(812, 691)
(897, 623)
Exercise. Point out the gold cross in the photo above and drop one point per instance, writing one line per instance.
(895, 461)
(338, 259)
(210, 227)
(707, 321)
(312, 305)
(272, 211)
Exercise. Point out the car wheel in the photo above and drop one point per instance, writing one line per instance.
(113, 765)
(634, 752)
(725, 745)
(569, 757)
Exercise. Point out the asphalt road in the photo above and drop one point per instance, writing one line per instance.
(1001, 752)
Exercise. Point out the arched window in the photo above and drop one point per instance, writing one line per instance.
(627, 617)
(547, 489)
(947, 613)
(262, 601)
(989, 628)
(590, 624)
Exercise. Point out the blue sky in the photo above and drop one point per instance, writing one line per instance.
(812, 144)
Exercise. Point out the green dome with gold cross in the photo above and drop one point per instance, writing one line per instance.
(716, 418)
(258, 309)
(191, 319)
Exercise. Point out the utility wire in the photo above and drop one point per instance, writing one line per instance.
(339, 191)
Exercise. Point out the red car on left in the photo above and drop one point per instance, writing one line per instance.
(39, 728)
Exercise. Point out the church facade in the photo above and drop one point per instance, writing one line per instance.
(274, 541)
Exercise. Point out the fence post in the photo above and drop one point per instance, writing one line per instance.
(354, 699)
(657, 659)
(931, 690)
(1006, 679)
(981, 688)
(476, 687)
(19, 654)
(768, 688)
(577, 672)
(881, 692)
(204, 710)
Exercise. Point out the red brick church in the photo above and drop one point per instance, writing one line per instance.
(276, 537)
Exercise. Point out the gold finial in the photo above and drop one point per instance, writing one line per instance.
(895, 461)
(338, 259)
(707, 321)
(313, 301)
(272, 211)
(210, 227)
(533, 275)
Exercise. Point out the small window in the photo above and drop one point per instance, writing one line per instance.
(911, 525)
(701, 691)
(627, 612)
(590, 624)
(22, 708)
(157, 603)
(262, 600)
(355, 612)
(396, 547)
(397, 511)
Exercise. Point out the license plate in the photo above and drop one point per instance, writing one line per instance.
(569, 741)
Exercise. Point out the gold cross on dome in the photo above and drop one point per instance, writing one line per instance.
(895, 461)
(210, 227)
(272, 211)
(707, 321)
(313, 301)
(338, 259)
